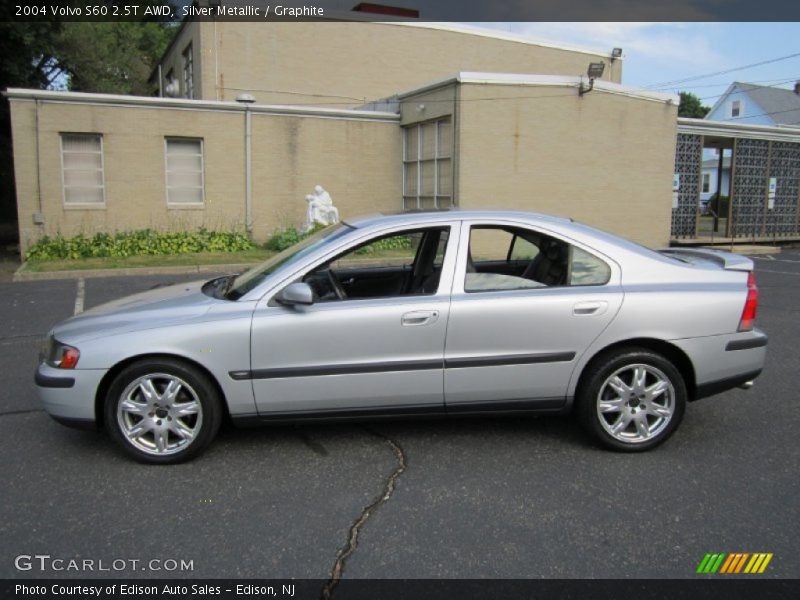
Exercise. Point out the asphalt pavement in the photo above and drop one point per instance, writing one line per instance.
(485, 498)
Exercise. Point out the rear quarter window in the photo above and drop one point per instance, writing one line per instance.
(587, 269)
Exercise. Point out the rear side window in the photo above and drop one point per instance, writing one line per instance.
(508, 258)
(587, 269)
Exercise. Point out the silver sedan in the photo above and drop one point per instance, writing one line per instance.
(417, 314)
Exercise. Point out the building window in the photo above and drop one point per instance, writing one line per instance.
(184, 166)
(427, 165)
(736, 108)
(188, 72)
(82, 168)
(706, 182)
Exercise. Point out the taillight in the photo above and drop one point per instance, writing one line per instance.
(750, 305)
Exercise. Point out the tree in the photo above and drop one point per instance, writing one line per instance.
(114, 58)
(691, 106)
(82, 56)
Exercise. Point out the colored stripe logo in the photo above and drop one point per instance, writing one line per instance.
(737, 562)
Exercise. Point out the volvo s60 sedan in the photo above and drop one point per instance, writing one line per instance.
(416, 314)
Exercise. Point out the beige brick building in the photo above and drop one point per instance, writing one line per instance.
(434, 134)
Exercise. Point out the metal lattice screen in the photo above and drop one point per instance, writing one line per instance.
(750, 168)
(785, 166)
(688, 162)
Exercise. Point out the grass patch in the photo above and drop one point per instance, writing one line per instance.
(253, 256)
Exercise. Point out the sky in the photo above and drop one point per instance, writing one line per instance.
(657, 53)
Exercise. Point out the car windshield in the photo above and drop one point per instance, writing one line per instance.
(251, 279)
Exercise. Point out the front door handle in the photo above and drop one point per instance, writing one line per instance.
(419, 317)
(590, 308)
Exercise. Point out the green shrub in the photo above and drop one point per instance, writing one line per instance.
(137, 243)
(283, 238)
(398, 242)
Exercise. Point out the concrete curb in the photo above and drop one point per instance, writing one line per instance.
(22, 275)
(754, 250)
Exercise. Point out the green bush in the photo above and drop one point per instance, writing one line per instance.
(397, 242)
(283, 238)
(137, 243)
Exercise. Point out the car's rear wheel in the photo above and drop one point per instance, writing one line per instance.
(632, 399)
(162, 411)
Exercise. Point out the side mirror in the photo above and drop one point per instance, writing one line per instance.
(295, 293)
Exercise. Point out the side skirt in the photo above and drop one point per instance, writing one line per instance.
(493, 408)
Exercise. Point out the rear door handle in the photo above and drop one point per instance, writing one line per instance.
(590, 308)
(419, 317)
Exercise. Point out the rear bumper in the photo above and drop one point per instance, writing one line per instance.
(69, 396)
(723, 385)
(723, 362)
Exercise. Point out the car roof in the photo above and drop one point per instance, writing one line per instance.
(422, 216)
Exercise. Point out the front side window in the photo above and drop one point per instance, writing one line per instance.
(736, 108)
(507, 258)
(184, 170)
(82, 168)
(188, 72)
(249, 280)
(401, 264)
(427, 165)
(706, 182)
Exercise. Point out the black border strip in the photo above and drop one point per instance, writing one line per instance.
(405, 365)
(46, 381)
(723, 385)
(747, 344)
(508, 360)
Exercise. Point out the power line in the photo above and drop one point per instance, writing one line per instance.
(724, 72)
(777, 112)
(774, 87)
(770, 82)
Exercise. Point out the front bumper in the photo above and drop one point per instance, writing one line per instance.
(69, 395)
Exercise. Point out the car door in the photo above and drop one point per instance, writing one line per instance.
(512, 340)
(382, 353)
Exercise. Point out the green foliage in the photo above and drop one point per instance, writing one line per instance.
(283, 238)
(398, 242)
(691, 106)
(137, 243)
(289, 236)
(113, 58)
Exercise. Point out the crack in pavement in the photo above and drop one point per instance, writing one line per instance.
(20, 412)
(14, 338)
(352, 537)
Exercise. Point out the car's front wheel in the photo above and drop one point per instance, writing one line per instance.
(162, 411)
(632, 399)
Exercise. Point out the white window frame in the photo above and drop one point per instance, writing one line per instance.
(705, 184)
(188, 68)
(82, 205)
(180, 205)
(437, 157)
(739, 105)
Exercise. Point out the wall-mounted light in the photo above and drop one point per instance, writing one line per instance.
(594, 71)
(616, 53)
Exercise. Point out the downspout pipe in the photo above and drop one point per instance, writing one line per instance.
(247, 100)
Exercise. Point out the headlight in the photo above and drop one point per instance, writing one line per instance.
(62, 356)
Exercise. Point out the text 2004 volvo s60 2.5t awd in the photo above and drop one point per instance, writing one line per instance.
(426, 313)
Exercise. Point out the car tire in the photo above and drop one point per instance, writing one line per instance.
(631, 400)
(162, 411)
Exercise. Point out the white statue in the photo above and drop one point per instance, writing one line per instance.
(320, 209)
